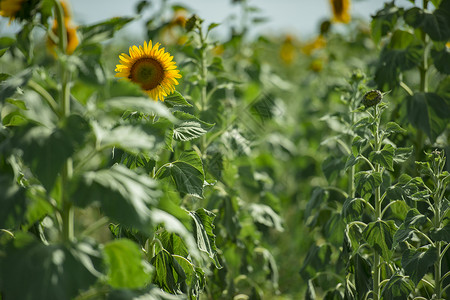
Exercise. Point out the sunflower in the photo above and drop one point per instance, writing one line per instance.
(341, 10)
(150, 67)
(288, 51)
(10, 8)
(319, 43)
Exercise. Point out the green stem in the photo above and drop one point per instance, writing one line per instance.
(204, 82)
(376, 259)
(44, 94)
(67, 225)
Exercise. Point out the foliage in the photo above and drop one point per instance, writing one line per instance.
(319, 171)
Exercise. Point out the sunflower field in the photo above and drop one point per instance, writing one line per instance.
(198, 165)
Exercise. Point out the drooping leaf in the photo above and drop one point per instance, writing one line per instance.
(379, 235)
(416, 262)
(265, 215)
(168, 275)
(126, 266)
(203, 225)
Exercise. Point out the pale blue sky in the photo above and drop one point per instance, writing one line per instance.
(300, 17)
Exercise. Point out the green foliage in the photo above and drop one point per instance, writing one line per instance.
(267, 174)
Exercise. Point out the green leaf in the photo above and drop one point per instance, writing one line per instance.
(46, 152)
(140, 104)
(212, 26)
(264, 214)
(441, 234)
(203, 225)
(187, 173)
(187, 131)
(126, 266)
(357, 144)
(9, 86)
(52, 272)
(402, 154)
(91, 34)
(401, 39)
(384, 21)
(169, 275)
(176, 99)
(392, 127)
(353, 209)
(416, 262)
(363, 275)
(130, 138)
(189, 127)
(123, 195)
(397, 288)
(13, 202)
(379, 235)
(310, 293)
(393, 62)
(173, 243)
(428, 112)
(366, 182)
(414, 217)
(384, 157)
(435, 24)
(441, 60)
(317, 259)
(351, 161)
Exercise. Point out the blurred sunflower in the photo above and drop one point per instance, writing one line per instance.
(341, 10)
(288, 51)
(10, 8)
(71, 31)
(319, 43)
(150, 67)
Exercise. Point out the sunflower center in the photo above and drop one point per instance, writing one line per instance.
(147, 72)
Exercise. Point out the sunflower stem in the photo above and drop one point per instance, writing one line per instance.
(64, 108)
(376, 258)
(204, 81)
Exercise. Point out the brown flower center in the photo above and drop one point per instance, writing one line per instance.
(147, 72)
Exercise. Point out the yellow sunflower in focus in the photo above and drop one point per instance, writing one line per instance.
(341, 10)
(150, 67)
(9, 8)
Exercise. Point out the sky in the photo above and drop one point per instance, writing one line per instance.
(299, 17)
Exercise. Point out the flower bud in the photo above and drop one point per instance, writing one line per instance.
(372, 98)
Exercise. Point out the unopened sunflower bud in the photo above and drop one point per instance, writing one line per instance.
(372, 98)
(192, 22)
